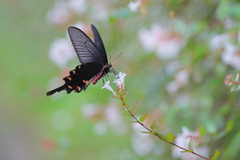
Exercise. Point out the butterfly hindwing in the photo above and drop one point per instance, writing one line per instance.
(79, 78)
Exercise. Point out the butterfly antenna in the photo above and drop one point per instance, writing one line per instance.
(116, 57)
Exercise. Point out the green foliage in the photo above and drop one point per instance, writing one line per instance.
(170, 137)
(215, 156)
(142, 118)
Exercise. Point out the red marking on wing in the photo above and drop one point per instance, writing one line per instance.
(95, 79)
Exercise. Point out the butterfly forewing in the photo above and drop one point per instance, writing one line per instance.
(99, 43)
(86, 50)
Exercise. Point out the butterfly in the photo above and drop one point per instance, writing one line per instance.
(93, 58)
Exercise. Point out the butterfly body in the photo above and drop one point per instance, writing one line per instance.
(93, 58)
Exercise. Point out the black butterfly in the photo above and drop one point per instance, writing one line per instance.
(93, 58)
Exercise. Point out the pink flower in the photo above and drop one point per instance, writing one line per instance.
(183, 139)
(165, 43)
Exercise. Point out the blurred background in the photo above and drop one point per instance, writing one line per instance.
(176, 54)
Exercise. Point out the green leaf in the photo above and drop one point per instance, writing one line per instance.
(155, 126)
(215, 156)
(142, 119)
(191, 144)
(229, 125)
(170, 137)
(161, 137)
(148, 132)
(187, 151)
(202, 131)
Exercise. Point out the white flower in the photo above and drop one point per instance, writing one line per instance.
(77, 6)
(133, 6)
(218, 41)
(231, 56)
(120, 80)
(61, 51)
(142, 143)
(59, 14)
(107, 86)
(102, 12)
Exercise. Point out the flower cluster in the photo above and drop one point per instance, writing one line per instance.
(120, 84)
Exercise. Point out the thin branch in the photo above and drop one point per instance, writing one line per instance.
(124, 104)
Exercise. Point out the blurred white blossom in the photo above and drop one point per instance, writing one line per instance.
(59, 14)
(78, 6)
(90, 110)
(142, 143)
(231, 52)
(231, 56)
(61, 51)
(172, 87)
(165, 43)
(134, 5)
(100, 12)
(218, 41)
(181, 79)
(182, 140)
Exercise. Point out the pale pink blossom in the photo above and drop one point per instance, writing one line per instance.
(164, 42)
(183, 139)
(120, 80)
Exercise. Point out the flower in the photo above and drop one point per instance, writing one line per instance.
(59, 14)
(107, 86)
(183, 139)
(120, 80)
(231, 56)
(164, 42)
(78, 6)
(133, 6)
(61, 52)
